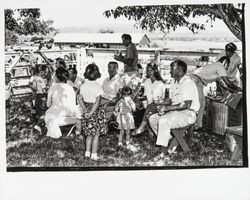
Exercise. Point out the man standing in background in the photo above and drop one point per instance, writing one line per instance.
(130, 59)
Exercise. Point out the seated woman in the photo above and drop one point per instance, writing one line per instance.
(154, 90)
(61, 102)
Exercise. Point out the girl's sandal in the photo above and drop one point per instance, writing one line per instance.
(137, 132)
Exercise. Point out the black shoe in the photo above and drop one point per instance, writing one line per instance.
(200, 129)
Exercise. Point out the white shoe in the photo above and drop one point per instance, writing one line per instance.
(38, 128)
(120, 144)
(94, 157)
(131, 147)
(78, 133)
(170, 151)
(87, 154)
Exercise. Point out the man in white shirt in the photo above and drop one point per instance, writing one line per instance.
(182, 112)
(112, 84)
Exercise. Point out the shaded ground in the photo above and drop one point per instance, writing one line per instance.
(26, 148)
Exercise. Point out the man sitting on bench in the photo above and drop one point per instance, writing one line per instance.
(181, 113)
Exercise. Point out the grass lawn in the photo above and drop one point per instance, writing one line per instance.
(26, 148)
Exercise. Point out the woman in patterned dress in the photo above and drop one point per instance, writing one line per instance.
(94, 120)
(123, 109)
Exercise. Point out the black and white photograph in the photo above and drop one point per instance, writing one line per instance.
(95, 88)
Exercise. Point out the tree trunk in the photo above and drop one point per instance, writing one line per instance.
(232, 21)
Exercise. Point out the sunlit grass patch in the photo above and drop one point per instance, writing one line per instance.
(27, 148)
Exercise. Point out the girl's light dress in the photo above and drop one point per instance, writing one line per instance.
(125, 117)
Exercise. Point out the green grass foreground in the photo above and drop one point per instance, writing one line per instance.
(26, 148)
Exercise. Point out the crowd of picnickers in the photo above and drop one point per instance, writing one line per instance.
(135, 102)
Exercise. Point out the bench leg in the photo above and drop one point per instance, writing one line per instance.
(236, 153)
(179, 135)
(70, 131)
(173, 143)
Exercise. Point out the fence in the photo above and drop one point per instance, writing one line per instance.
(19, 63)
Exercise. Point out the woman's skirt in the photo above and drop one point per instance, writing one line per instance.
(97, 123)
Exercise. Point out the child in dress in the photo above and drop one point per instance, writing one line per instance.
(38, 84)
(8, 93)
(123, 110)
(94, 121)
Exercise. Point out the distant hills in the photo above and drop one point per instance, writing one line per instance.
(118, 28)
(128, 28)
(178, 35)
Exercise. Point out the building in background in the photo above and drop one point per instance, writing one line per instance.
(98, 40)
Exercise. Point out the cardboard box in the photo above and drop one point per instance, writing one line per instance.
(220, 116)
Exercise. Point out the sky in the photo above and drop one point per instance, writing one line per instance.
(83, 13)
(90, 14)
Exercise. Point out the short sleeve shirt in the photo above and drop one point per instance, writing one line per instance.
(63, 100)
(183, 91)
(90, 90)
(40, 84)
(211, 72)
(232, 68)
(77, 84)
(155, 90)
(111, 86)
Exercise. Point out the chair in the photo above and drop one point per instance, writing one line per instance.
(71, 129)
(69, 122)
(178, 137)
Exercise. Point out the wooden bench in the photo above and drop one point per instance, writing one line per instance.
(236, 132)
(179, 139)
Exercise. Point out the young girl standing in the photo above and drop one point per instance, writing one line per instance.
(123, 109)
(94, 119)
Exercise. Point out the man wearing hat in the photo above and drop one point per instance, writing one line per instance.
(233, 63)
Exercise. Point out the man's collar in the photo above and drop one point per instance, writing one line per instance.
(114, 77)
(181, 80)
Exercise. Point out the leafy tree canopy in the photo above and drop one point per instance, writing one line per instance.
(26, 22)
(169, 17)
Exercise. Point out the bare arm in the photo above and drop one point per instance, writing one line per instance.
(95, 107)
(181, 106)
(121, 58)
(132, 105)
(33, 86)
(81, 102)
(228, 85)
(49, 99)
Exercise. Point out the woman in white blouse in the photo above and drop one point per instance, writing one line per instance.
(154, 90)
(61, 102)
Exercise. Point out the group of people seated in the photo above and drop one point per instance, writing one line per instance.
(83, 102)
